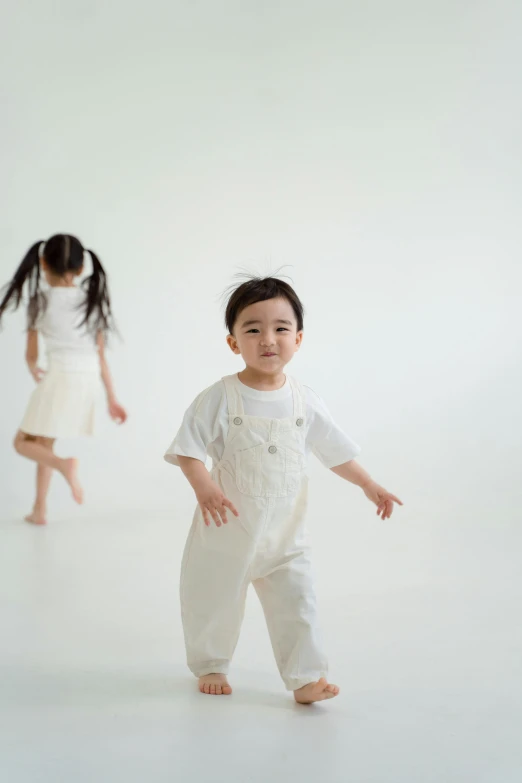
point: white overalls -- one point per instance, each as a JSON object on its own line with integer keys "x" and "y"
{"x": 262, "y": 471}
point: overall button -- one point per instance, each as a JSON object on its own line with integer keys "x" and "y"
{"x": 272, "y": 449}
{"x": 300, "y": 422}
{"x": 238, "y": 421}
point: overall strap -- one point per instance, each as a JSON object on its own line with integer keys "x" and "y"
{"x": 299, "y": 398}
{"x": 234, "y": 398}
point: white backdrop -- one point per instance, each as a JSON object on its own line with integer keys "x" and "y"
{"x": 374, "y": 148}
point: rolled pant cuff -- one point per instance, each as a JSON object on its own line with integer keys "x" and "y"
{"x": 294, "y": 683}
{"x": 210, "y": 667}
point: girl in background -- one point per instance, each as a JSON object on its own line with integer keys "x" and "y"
{"x": 74, "y": 321}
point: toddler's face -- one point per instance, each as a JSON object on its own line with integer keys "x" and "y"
{"x": 266, "y": 336}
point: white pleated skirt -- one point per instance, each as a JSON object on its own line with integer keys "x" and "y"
{"x": 63, "y": 404}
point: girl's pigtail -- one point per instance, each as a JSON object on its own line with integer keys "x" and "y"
{"x": 28, "y": 272}
{"x": 98, "y": 314}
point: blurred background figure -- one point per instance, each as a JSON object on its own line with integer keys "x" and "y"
{"x": 74, "y": 320}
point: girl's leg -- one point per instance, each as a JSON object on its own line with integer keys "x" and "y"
{"x": 43, "y": 480}
{"x": 30, "y": 446}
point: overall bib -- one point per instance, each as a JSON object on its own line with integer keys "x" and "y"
{"x": 263, "y": 472}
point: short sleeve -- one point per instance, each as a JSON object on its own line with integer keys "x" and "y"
{"x": 330, "y": 444}
{"x": 197, "y": 431}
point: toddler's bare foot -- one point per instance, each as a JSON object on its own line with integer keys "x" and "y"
{"x": 215, "y": 685}
{"x": 316, "y": 691}
{"x": 70, "y": 473}
{"x": 36, "y": 518}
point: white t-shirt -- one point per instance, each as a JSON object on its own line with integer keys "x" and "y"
{"x": 205, "y": 425}
{"x": 65, "y": 341}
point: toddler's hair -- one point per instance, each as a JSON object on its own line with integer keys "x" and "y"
{"x": 62, "y": 253}
{"x": 259, "y": 289}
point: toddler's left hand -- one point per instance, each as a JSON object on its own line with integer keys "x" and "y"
{"x": 383, "y": 499}
{"x": 117, "y": 412}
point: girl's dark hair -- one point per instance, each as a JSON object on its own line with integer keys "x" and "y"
{"x": 259, "y": 289}
{"x": 63, "y": 253}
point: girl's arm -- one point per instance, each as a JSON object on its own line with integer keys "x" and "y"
{"x": 355, "y": 474}
{"x": 116, "y": 411}
{"x": 31, "y": 355}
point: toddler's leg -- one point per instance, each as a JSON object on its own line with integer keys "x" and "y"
{"x": 213, "y": 593}
{"x": 289, "y": 603}
{"x": 33, "y": 448}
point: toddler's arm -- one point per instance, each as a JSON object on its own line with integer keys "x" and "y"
{"x": 354, "y": 473}
{"x": 210, "y": 498}
{"x": 116, "y": 411}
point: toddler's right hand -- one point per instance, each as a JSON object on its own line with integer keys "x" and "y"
{"x": 213, "y": 502}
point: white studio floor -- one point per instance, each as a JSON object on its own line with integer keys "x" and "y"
{"x": 94, "y": 687}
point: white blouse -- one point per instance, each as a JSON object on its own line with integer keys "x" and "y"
{"x": 66, "y": 342}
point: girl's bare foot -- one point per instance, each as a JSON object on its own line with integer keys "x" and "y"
{"x": 70, "y": 473}
{"x": 316, "y": 691}
{"x": 36, "y": 518}
{"x": 215, "y": 685}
